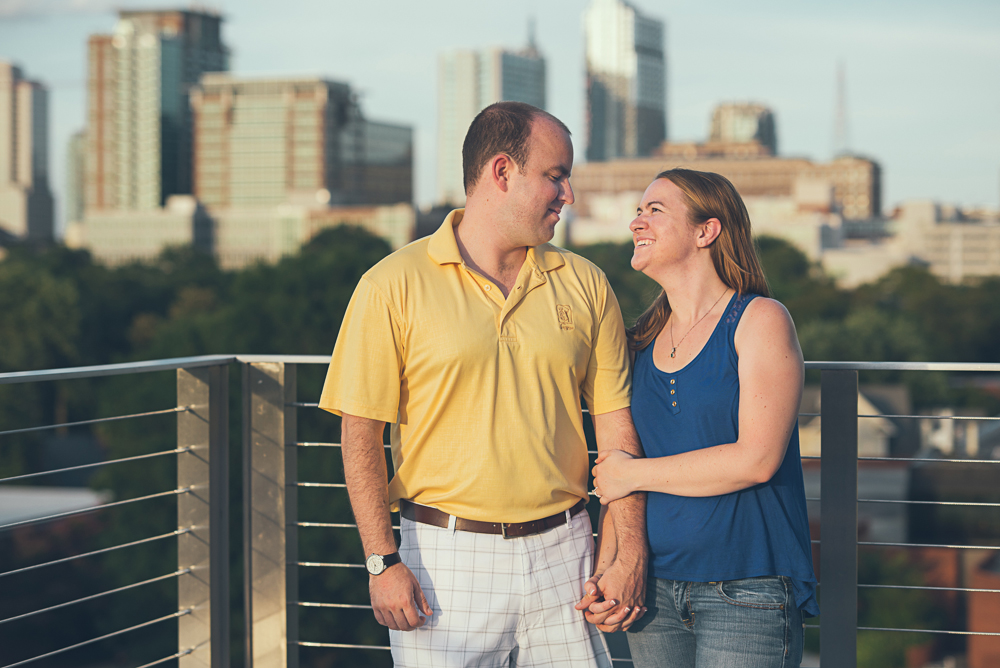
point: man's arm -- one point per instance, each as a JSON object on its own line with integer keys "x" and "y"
{"x": 624, "y": 579}
{"x": 397, "y": 599}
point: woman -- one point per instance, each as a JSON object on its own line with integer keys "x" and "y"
{"x": 716, "y": 389}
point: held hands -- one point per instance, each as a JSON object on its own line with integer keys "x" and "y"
{"x": 612, "y": 612}
{"x": 397, "y": 599}
{"x": 611, "y": 479}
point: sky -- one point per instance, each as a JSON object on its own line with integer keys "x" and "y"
{"x": 922, "y": 76}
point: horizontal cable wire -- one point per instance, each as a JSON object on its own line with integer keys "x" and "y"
{"x": 96, "y": 464}
{"x": 101, "y": 551}
{"x": 179, "y": 613}
{"x": 931, "y": 460}
{"x": 321, "y": 564}
{"x": 169, "y": 658}
{"x": 910, "y": 502}
{"x": 173, "y": 492}
{"x": 926, "y": 588}
{"x": 93, "y": 596}
{"x": 337, "y": 645}
{"x": 308, "y": 444}
{"x": 953, "y": 547}
{"x": 329, "y": 525}
{"x": 311, "y": 604}
{"x": 953, "y": 633}
{"x": 935, "y": 417}
{"x": 321, "y": 484}
{"x": 178, "y": 409}
{"x": 927, "y": 460}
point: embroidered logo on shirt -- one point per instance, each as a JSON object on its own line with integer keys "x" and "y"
{"x": 565, "y": 315}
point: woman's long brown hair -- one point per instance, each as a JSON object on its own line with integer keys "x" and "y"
{"x": 709, "y": 195}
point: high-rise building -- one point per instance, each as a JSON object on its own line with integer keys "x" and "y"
{"x": 26, "y": 207}
{"x": 138, "y": 116}
{"x": 76, "y": 176}
{"x": 294, "y": 140}
{"x": 469, "y": 81}
{"x": 626, "y": 81}
{"x": 737, "y": 123}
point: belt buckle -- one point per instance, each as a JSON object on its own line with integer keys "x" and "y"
{"x": 503, "y": 531}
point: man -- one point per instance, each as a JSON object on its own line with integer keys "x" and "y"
{"x": 476, "y": 344}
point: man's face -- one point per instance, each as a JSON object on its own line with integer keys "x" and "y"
{"x": 539, "y": 191}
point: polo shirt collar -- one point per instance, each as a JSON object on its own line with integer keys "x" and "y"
{"x": 443, "y": 249}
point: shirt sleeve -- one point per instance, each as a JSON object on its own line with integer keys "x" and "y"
{"x": 364, "y": 374}
{"x": 608, "y": 385}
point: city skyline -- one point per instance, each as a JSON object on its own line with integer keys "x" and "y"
{"x": 920, "y": 91}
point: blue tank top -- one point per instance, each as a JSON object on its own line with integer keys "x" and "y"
{"x": 761, "y": 530}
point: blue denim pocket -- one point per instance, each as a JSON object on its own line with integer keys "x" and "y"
{"x": 763, "y": 593}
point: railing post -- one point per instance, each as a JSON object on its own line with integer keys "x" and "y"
{"x": 270, "y": 508}
{"x": 838, "y": 634}
{"x": 205, "y": 509}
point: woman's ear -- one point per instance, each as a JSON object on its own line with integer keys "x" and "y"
{"x": 709, "y": 232}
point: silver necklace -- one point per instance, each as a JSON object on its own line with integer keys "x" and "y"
{"x": 673, "y": 348}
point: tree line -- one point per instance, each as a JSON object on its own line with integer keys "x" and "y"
{"x": 58, "y": 308}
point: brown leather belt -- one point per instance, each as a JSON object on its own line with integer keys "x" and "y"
{"x": 434, "y": 517}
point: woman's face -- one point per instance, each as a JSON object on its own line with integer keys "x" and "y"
{"x": 662, "y": 232}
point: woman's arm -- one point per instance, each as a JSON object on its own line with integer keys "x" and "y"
{"x": 770, "y": 374}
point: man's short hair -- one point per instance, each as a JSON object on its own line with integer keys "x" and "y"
{"x": 502, "y": 127}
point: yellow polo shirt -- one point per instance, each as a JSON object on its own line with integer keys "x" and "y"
{"x": 483, "y": 392}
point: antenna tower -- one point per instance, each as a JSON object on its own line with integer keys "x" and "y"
{"x": 841, "y": 140}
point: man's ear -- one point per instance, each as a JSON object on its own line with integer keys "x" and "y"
{"x": 708, "y": 232}
{"x": 501, "y": 167}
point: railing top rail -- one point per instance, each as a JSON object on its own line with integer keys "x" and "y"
{"x": 212, "y": 360}
{"x": 123, "y": 368}
{"x": 903, "y": 366}
{"x": 288, "y": 359}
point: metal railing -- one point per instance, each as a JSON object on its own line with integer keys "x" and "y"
{"x": 201, "y": 494}
{"x": 271, "y": 450}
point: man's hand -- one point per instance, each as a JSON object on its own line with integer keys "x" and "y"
{"x": 397, "y": 599}
{"x": 611, "y": 478}
{"x": 614, "y": 599}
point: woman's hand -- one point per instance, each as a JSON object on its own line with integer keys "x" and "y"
{"x": 611, "y": 475}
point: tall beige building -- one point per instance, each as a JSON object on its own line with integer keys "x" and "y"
{"x": 294, "y": 140}
{"x": 138, "y": 115}
{"x": 26, "y": 206}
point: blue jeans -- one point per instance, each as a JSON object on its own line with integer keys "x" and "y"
{"x": 751, "y": 623}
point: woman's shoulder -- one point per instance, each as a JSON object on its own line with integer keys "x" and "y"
{"x": 766, "y": 321}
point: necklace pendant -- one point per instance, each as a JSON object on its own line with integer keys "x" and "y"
{"x": 672, "y": 352}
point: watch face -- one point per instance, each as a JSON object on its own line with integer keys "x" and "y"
{"x": 374, "y": 564}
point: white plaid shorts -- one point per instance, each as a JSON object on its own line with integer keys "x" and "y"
{"x": 500, "y": 602}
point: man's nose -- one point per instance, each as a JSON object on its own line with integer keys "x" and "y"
{"x": 637, "y": 223}
{"x": 567, "y": 194}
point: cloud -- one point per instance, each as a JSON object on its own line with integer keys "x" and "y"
{"x": 12, "y": 10}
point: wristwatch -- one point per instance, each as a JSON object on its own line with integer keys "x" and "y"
{"x": 376, "y": 563}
